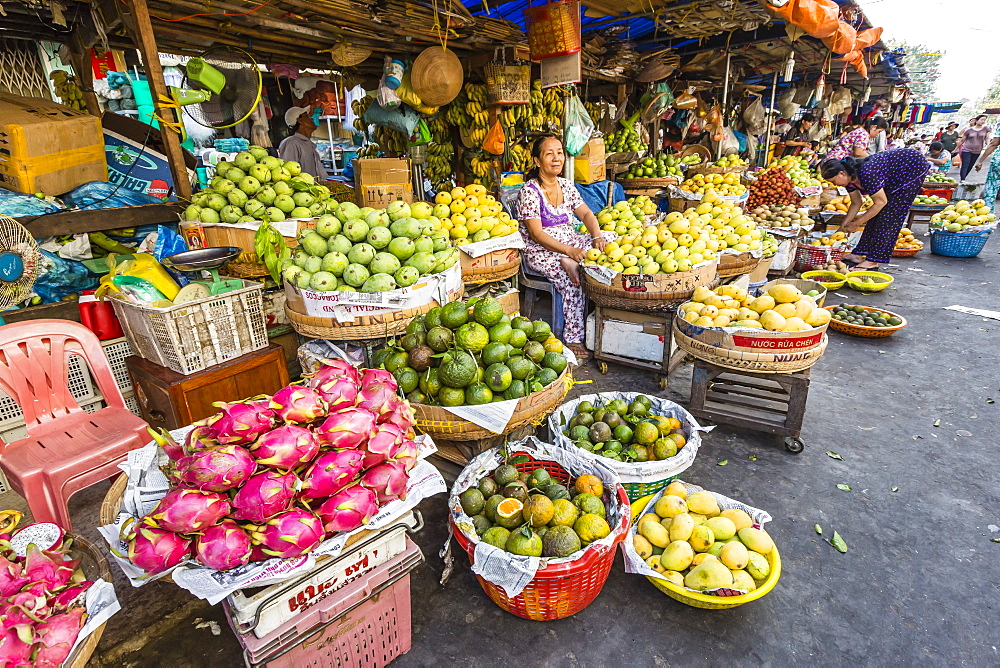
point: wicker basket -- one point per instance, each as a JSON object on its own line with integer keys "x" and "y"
{"x": 737, "y": 265}
{"x": 613, "y": 296}
{"x": 553, "y": 29}
{"x": 864, "y": 330}
{"x": 508, "y": 83}
{"x": 532, "y": 409}
{"x": 348, "y": 55}
{"x": 704, "y": 169}
{"x": 790, "y": 362}
{"x": 703, "y": 151}
{"x": 488, "y": 273}
{"x": 650, "y": 183}
{"x": 379, "y": 326}
{"x": 804, "y": 285}
{"x": 906, "y": 252}
{"x": 94, "y": 565}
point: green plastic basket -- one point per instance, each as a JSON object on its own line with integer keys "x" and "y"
{"x": 637, "y": 490}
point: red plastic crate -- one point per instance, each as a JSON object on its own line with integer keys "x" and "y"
{"x": 367, "y": 624}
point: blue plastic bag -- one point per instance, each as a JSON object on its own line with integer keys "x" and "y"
{"x": 60, "y": 278}
{"x": 16, "y": 205}
{"x": 101, "y": 195}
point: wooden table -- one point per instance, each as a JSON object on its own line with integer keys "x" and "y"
{"x": 172, "y": 400}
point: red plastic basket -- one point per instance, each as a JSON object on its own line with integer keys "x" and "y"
{"x": 553, "y": 29}
{"x": 809, "y": 257}
{"x": 557, "y": 590}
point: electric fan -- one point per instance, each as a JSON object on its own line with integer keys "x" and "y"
{"x": 221, "y": 87}
{"x": 19, "y": 263}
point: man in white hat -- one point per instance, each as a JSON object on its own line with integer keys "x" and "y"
{"x": 298, "y": 146}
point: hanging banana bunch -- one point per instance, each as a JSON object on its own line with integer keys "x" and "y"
{"x": 370, "y": 150}
{"x": 520, "y": 158}
{"x": 67, "y": 89}
{"x": 390, "y": 140}
{"x": 359, "y": 107}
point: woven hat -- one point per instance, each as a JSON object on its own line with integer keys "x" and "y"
{"x": 436, "y": 76}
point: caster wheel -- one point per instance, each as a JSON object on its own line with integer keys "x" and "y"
{"x": 664, "y": 382}
{"x": 602, "y": 367}
{"x": 794, "y": 445}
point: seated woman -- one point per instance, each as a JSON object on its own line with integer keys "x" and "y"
{"x": 546, "y": 206}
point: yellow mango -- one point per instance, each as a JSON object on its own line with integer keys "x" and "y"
{"x": 785, "y": 310}
{"x": 762, "y": 304}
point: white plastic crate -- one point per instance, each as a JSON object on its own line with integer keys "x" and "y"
{"x": 268, "y": 609}
{"x": 116, "y": 351}
{"x": 132, "y": 402}
{"x": 198, "y": 334}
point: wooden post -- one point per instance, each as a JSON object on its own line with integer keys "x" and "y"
{"x": 142, "y": 34}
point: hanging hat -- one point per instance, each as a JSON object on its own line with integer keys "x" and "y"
{"x": 436, "y": 76}
{"x": 293, "y": 113}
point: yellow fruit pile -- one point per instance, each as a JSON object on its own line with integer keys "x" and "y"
{"x": 731, "y": 160}
{"x": 696, "y": 544}
{"x": 841, "y": 204}
{"x": 623, "y": 217}
{"x": 962, "y": 214}
{"x": 469, "y": 214}
{"x": 680, "y": 242}
{"x": 722, "y": 184}
{"x": 907, "y": 241}
{"x": 782, "y": 309}
{"x": 829, "y": 240}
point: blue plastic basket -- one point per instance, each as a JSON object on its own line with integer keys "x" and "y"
{"x": 958, "y": 244}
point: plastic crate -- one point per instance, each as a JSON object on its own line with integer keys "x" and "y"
{"x": 117, "y": 350}
{"x": 132, "y": 402}
{"x": 264, "y": 610}
{"x": 368, "y": 623}
{"x": 958, "y": 244}
{"x": 809, "y": 257}
{"x": 199, "y": 334}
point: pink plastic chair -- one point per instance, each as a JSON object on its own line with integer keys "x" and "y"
{"x": 66, "y": 448}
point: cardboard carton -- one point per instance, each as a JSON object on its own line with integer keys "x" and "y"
{"x": 381, "y": 181}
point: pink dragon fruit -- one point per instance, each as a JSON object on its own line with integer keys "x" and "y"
{"x": 201, "y": 437}
{"x": 286, "y": 447}
{"x": 378, "y": 389}
{"x": 155, "y": 550}
{"x": 400, "y": 414}
{"x": 338, "y": 392}
{"x": 32, "y": 601}
{"x": 348, "y": 428}
{"x": 348, "y": 509}
{"x": 48, "y": 568}
{"x": 223, "y": 546}
{"x": 381, "y": 444}
{"x": 241, "y": 422}
{"x": 14, "y": 652}
{"x": 216, "y": 469}
{"x": 264, "y": 495}
{"x": 56, "y": 636}
{"x": 331, "y": 368}
{"x": 298, "y": 404}
{"x": 406, "y": 454}
{"x": 387, "y": 480}
{"x": 163, "y": 439}
{"x": 189, "y": 510}
{"x": 290, "y": 534}
{"x": 11, "y": 578}
{"x": 70, "y": 596}
{"x": 331, "y": 472}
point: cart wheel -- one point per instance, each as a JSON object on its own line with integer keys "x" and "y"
{"x": 794, "y": 445}
{"x": 602, "y": 367}
{"x": 664, "y": 382}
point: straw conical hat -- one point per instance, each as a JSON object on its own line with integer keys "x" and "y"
{"x": 436, "y": 76}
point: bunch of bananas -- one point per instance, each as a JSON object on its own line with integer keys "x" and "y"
{"x": 594, "y": 109}
{"x": 359, "y": 107}
{"x": 515, "y": 114}
{"x": 455, "y": 113}
{"x": 370, "y": 150}
{"x": 546, "y": 109}
{"x": 520, "y": 158}
{"x": 390, "y": 140}
{"x": 438, "y": 166}
{"x": 67, "y": 89}
{"x": 479, "y": 166}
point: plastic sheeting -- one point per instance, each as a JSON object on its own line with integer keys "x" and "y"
{"x": 101, "y": 195}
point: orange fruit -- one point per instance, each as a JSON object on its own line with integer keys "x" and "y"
{"x": 589, "y": 484}
{"x": 508, "y": 508}
{"x": 678, "y": 439}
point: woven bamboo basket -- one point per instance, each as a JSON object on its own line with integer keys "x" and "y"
{"x": 906, "y": 252}
{"x": 700, "y": 169}
{"x": 532, "y": 409}
{"x": 489, "y": 274}
{"x": 650, "y": 183}
{"x": 112, "y": 505}
{"x": 864, "y": 330}
{"x": 379, "y": 326}
{"x": 788, "y": 362}
{"x": 703, "y": 151}
{"x": 95, "y": 565}
{"x": 612, "y": 296}
{"x": 741, "y": 264}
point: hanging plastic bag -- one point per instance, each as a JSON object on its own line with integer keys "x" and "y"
{"x": 819, "y": 18}
{"x": 728, "y": 142}
{"x": 701, "y": 109}
{"x": 786, "y": 102}
{"x": 754, "y": 117}
{"x": 686, "y": 100}
{"x": 579, "y": 126}
{"x": 802, "y": 95}
{"x": 495, "y": 140}
{"x": 402, "y": 119}
{"x": 386, "y": 97}
{"x": 663, "y": 89}
{"x": 842, "y": 41}
{"x": 408, "y": 96}
{"x": 713, "y": 123}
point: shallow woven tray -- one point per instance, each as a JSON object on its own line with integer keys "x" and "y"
{"x": 862, "y": 330}
{"x": 746, "y": 361}
{"x": 364, "y": 327}
{"x": 906, "y": 252}
{"x": 739, "y": 267}
{"x": 95, "y": 565}
{"x": 532, "y": 409}
{"x": 643, "y": 183}
{"x": 481, "y": 275}
{"x": 640, "y": 302}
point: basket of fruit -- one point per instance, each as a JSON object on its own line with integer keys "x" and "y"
{"x": 831, "y": 280}
{"x": 701, "y": 548}
{"x": 647, "y": 441}
{"x": 729, "y": 164}
{"x": 867, "y": 321}
{"x": 661, "y": 169}
{"x": 812, "y": 253}
{"x": 782, "y": 330}
{"x": 786, "y": 219}
{"x": 439, "y": 359}
{"x": 958, "y": 244}
{"x": 868, "y": 281}
{"x": 929, "y": 203}
{"x": 543, "y": 510}
{"x": 907, "y": 244}
{"x": 815, "y": 290}
{"x": 737, "y": 264}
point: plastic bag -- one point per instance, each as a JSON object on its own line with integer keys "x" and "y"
{"x": 728, "y": 142}
{"x": 101, "y": 195}
{"x": 786, "y": 102}
{"x": 754, "y": 117}
{"x": 819, "y": 18}
{"x": 402, "y": 119}
{"x": 60, "y": 278}
{"x": 495, "y": 140}
{"x": 842, "y": 41}
{"x": 408, "y": 96}
{"x": 840, "y": 101}
{"x": 168, "y": 242}
{"x": 16, "y": 205}
{"x": 579, "y": 126}
{"x": 802, "y": 95}
{"x": 685, "y": 101}
{"x": 386, "y": 97}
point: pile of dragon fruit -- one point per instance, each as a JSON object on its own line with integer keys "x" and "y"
{"x": 275, "y": 476}
{"x": 43, "y": 604}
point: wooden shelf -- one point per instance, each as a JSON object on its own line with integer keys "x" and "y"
{"x": 99, "y": 220}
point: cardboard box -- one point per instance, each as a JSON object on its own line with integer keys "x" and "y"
{"x": 381, "y": 181}
{"x": 594, "y": 148}
{"x": 681, "y": 281}
{"x": 497, "y": 258}
{"x": 589, "y": 166}
{"x": 47, "y": 147}
{"x": 638, "y": 336}
{"x": 136, "y": 157}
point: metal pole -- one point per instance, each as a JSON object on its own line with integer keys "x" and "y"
{"x": 725, "y": 102}
{"x": 767, "y": 137}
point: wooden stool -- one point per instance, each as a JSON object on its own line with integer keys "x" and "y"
{"x": 920, "y": 216}
{"x": 172, "y": 400}
{"x": 652, "y": 324}
{"x": 773, "y": 403}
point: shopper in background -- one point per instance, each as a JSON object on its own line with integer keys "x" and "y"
{"x": 971, "y": 144}
{"x": 546, "y": 205}
{"x": 949, "y": 137}
{"x": 993, "y": 175}
{"x": 892, "y": 179}
{"x": 939, "y": 158}
{"x": 857, "y": 143}
{"x": 795, "y": 136}
{"x": 298, "y": 146}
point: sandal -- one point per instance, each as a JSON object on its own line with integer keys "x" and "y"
{"x": 582, "y": 354}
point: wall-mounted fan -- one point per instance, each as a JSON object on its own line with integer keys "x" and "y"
{"x": 221, "y": 87}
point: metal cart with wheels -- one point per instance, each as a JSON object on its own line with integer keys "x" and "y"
{"x": 773, "y": 403}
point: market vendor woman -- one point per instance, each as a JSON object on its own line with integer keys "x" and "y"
{"x": 892, "y": 179}
{"x": 549, "y": 206}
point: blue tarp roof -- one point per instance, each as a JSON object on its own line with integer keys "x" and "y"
{"x": 638, "y": 27}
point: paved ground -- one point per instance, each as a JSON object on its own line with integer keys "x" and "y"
{"x": 919, "y": 584}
